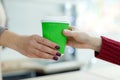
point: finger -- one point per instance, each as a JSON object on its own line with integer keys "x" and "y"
{"x": 47, "y": 42}
{"x": 75, "y": 44}
{"x": 31, "y": 55}
{"x": 68, "y": 33}
{"x": 47, "y": 56}
{"x": 44, "y": 48}
{"x": 72, "y": 44}
{"x": 39, "y": 54}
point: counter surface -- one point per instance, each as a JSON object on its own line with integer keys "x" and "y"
{"x": 78, "y": 75}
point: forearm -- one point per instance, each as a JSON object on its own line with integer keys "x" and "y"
{"x": 110, "y": 51}
{"x": 8, "y": 39}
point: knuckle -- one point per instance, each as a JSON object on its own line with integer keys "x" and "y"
{"x": 31, "y": 42}
{"x": 52, "y": 45}
{"x": 32, "y": 37}
{"x": 40, "y": 47}
{"x": 43, "y": 48}
{"x": 42, "y": 39}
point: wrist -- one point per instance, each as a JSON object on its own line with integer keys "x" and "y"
{"x": 9, "y": 39}
{"x": 95, "y": 43}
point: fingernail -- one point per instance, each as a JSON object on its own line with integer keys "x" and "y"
{"x": 58, "y": 54}
{"x": 55, "y": 58}
{"x": 57, "y": 47}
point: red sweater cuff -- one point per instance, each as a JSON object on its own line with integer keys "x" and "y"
{"x": 110, "y": 51}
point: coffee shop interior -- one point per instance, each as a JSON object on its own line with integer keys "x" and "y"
{"x": 96, "y": 17}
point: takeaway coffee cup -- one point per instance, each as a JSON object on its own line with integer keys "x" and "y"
{"x": 52, "y": 28}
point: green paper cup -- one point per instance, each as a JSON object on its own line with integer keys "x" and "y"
{"x": 52, "y": 28}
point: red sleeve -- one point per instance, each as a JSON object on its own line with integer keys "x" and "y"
{"x": 110, "y": 51}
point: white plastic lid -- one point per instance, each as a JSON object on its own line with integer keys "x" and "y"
{"x": 61, "y": 19}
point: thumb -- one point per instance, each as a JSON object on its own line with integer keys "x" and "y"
{"x": 68, "y": 33}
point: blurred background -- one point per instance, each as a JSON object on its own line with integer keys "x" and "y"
{"x": 96, "y": 17}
